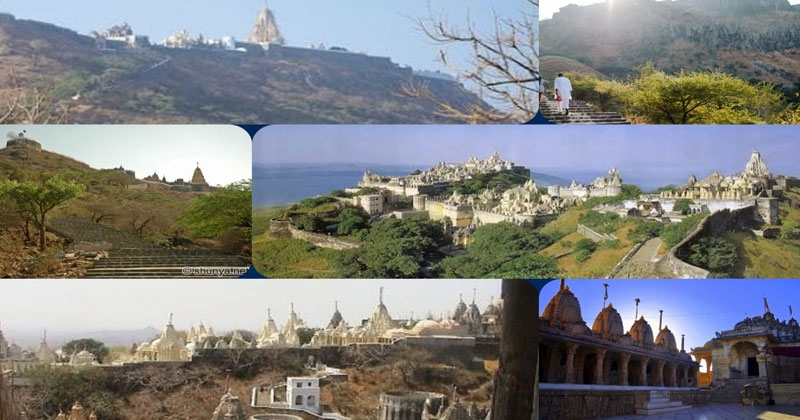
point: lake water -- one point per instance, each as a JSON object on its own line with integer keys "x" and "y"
{"x": 289, "y": 183}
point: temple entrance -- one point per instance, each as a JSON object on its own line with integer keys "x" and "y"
{"x": 744, "y": 362}
{"x": 752, "y": 366}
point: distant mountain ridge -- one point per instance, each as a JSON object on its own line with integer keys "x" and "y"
{"x": 747, "y": 38}
{"x": 154, "y": 84}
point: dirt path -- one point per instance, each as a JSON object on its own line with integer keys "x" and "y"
{"x": 646, "y": 263}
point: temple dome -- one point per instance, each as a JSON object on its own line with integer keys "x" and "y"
{"x": 642, "y": 333}
{"x": 608, "y": 324}
{"x": 666, "y": 339}
{"x": 563, "y": 310}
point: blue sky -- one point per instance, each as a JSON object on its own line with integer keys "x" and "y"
{"x": 133, "y": 304}
{"x": 377, "y": 27}
{"x": 648, "y": 155}
{"x": 223, "y": 151}
{"x": 697, "y": 308}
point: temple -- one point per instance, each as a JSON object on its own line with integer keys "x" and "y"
{"x": 760, "y": 350}
{"x": 573, "y": 353}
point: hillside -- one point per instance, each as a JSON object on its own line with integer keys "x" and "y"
{"x": 747, "y": 38}
{"x": 107, "y": 212}
{"x": 168, "y": 85}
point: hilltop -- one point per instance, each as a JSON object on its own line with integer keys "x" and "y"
{"x": 154, "y": 84}
{"x": 746, "y": 38}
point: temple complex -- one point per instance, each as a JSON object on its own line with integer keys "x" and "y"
{"x": 760, "y": 349}
{"x": 755, "y": 185}
{"x": 525, "y": 205}
{"x": 609, "y": 185}
{"x": 573, "y": 353}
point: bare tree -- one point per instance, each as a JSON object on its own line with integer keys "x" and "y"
{"x": 505, "y": 64}
{"x": 21, "y": 104}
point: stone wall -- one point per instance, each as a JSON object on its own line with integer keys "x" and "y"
{"x": 713, "y": 225}
{"x": 320, "y": 240}
{"x": 595, "y": 236}
{"x": 342, "y": 57}
{"x": 786, "y": 394}
{"x": 580, "y": 404}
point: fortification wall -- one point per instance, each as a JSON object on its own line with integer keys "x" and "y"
{"x": 341, "y": 57}
{"x": 713, "y": 225}
{"x": 320, "y": 240}
{"x": 713, "y": 205}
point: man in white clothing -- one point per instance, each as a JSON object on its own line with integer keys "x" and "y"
{"x": 564, "y": 91}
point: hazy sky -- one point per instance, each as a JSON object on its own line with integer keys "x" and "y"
{"x": 549, "y": 7}
{"x": 376, "y": 27}
{"x": 91, "y": 305}
{"x": 674, "y": 151}
{"x": 223, "y": 152}
{"x": 697, "y": 308}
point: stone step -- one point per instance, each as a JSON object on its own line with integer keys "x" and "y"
{"x": 154, "y": 273}
{"x": 650, "y": 412}
{"x": 652, "y": 405}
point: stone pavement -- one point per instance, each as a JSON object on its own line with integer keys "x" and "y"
{"x": 723, "y": 412}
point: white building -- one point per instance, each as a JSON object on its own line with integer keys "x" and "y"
{"x": 302, "y": 393}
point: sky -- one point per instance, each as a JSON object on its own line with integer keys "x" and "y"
{"x": 92, "y": 305}
{"x": 696, "y": 308}
{"x": 376, "y": 27}
{"x": 173, "y": 151}
{"x": 548, "y": 7}
{"x": 650, "y": 156}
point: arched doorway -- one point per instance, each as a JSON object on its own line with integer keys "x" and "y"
{"x": 744, "y": 360}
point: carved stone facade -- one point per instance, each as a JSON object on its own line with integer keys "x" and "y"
{"x": 609, "y": 185}
{"x": 758, "y": 348}
{"x": 570, "y": 352}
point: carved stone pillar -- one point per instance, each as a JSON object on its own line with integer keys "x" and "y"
{"x": 673, "y": 380}
{"x": 599, "y": 372}
{"x": 572, "y": 348}
{"x": 643, "y": 371}
{"x": 659, "y": 379}
{"x": 623, "y": 368}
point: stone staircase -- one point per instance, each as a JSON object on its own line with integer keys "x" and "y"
{"x": 659, "y": 403}
{"x": 730, "y": 392}
{"x": 131, "y": 257}
{"x": 580, "y": 112}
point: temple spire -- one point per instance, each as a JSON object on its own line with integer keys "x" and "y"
{"x": 637, "y": 309}
{"x": 660, "y": 317}
{"x": 605, "y": 296}
{"x": 766, "y": 306}
{"x": 380, "y": 295}
{"x": 170, "y": 318}
{"x": 683, "y": 338}
{"x": 474, "y": 292}
{"x": 562, "y": 285}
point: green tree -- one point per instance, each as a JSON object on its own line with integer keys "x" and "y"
{"x": 310, "y": 223}
{"x": 97, "y": 348}
{"x": 682, "y": 205}
{"x": 501, "y": 249}
{"x": 714, "y": 254}
{"x": 306, "y": 334}
{"x": 700, "y": 98}
{"x": 392, "y": 248}
{"x": 36, "y": 201}
{"x": 350, "y": 221}
{"x": 227, "y": 208}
